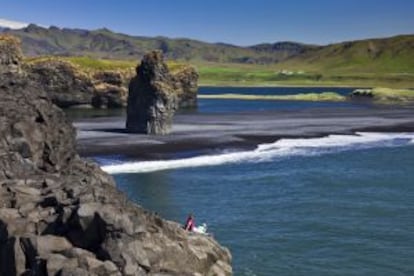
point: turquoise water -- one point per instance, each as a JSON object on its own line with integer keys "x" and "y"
{"x": 339, "y": 205}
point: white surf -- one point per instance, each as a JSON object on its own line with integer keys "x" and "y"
{"x": 271, "y": 151}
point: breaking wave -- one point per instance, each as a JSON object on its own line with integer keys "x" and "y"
{"x": 272, "y": 151}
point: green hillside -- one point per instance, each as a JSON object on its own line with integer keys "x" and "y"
{"x": 387, "y": 55}
{"x": 385, "y": 62}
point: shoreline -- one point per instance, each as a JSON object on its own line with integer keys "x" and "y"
{"x": 198, "y": 134}
{"x": 270, "y": 85}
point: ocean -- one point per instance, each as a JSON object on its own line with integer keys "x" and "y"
{"x": 335, "y": 205}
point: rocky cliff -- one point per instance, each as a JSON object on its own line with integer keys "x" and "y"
{"x": 61, "y": 215}
{"x": 152, "y": 97}
{"x": 109, "y": 90}
{"x": 186, "y": 84}
{"x": 69, "y": 85}
{"x": 64, "y": 84}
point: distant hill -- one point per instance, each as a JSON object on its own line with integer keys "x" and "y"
{"x": 382, "y": 55}
{"x": 103, "y": 43}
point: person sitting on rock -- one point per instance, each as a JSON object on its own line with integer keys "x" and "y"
{"x": 190, "y": 223}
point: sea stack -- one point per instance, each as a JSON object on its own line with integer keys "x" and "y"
{"x": 152, "y": 97}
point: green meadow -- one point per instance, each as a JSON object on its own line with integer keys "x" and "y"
{"x": 362, "y": 64}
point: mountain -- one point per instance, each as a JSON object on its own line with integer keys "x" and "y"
{"x": 104, "y": 43}
{"x": 388, "y": 55}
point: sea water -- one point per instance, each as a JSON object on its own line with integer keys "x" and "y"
{"x": 339, "y": 205}
{"x": 336, "y": 205}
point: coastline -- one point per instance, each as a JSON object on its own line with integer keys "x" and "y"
{"x": 270, "y": 85}
{"x": 197, "y": 134}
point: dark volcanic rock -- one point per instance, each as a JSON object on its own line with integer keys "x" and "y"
{"x": 64, "y": 84}
{"x": 10, "y": 54}
{"x": 42, "y": 137}
{"x": 152, "y": 98}
{"x": 187, "y": 87}
{"x": 361, "y": 94}
{"x": 109, "y": 77}
{"x": 109, "y": 91}
{"x": 68, "y": 86}
{"x": 61, "y": 215}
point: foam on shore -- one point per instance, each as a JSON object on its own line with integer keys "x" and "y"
{"x": 271, "y": 151}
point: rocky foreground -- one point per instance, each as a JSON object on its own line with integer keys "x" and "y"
{"x": 62, "y": 215}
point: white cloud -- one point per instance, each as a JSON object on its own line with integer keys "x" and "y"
{"x": 12, "y": 24}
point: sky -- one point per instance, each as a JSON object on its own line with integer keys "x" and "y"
{"x": 239, "y": 22}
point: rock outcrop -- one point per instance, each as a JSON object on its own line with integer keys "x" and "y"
{"x": 187, "y": 87}
{"x": 10, "y": 54}
{"x": 152, "y": 97}
{"x": 361, "y": 94}
{"x": 109, "y": 91}
{"x": 65, "y": 85}
{"x": 61, "y": 215}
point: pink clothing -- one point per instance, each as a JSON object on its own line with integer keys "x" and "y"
{"x": 189, "y": 225}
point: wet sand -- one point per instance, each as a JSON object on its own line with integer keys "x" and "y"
{"x": 201, "y": 133}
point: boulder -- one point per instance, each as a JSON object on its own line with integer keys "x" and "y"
{"x": 56, "y": 262}
{"x": 47, "y": 244}
{"x": 152, "y": 97}
{"x": 361, "y": 94}
{"x": 62, "y": 215}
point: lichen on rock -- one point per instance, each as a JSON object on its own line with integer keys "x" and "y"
{"x": 10, "y": 54}
{"x": 63, "y": 82}
{"x": 186, "y": 82}
{"x": 109, "y": 91}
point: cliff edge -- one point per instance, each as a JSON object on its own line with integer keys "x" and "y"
{"x": 61, "y": 215}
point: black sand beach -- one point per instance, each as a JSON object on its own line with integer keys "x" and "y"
{"x": 198, "y": 133}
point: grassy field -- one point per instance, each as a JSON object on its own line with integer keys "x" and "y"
{"x": 90, "y": 65}
{"x": 285, "y": 74}
{"x": 294, "y": 75}
{"x": 364, "y": 63}
{"x": 213, "y": 74}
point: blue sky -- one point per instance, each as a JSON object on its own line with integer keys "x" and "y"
{"x": 238, "y": 22}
